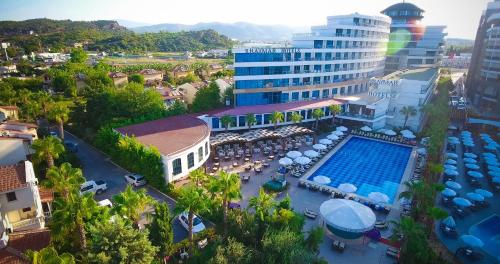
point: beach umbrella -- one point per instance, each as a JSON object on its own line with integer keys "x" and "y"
{"x": 494, "y": 173}
{"x": 466, "y": 132}
{"x": 453, "y": 185}
{"x": 450, "y": 161}
{"x": 469, "y": 160}
{"x": 451, "y": 172}
{"x": 449, "y": 222}
{"x": 342, "y": 128}
{"x": 325, "y": 141}
{"x": 495, "y": 179}
{"x": 406, "y": 131}
{"x": 302, "y": 160}
{"x": 489, "y": 154}
{"x": 366, "y": 129}
{"x": 338, "y": 133}
{"x": 453, "y": 138}
{"x": 484, "y": 193}
{"x": 378, "y": 197}
{"x": 390, "y": 132}
{"x": 453, "y": 142}
{"x": 285, "y": 161}
{"x": 452, "y": 155}
{"x": 472, "y": 166}
{"x": 493, "y": 168}
{"x": 492, "y": 159}
{"x": 347, "y": 187}
{"x": 332, "y": 137}
{"x": 475, "y": 174}
{"x": 409, "y": 136}
{"x": 461, "y": 202}
{"x": 475, "y": 197}
{"x": 448, "y": 192}
{"x": 469, "y": 144}
{"x": 490, "y": 147}
{"x": 319, "y": 147}
{"x": 311, "y": 153}
{"x": 484, "y": 135}
{"x": 470, "y": 155}
{"x": 472, "y": 241}
{"x": 322, "y": 179}
{"x": 493, "y": 163}
{"x": 421, "y": 151}
{"x": 293, "y": 154}
{"x": 449, "y": 167}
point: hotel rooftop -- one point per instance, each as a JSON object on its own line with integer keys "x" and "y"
{"x": 420, "y": 74}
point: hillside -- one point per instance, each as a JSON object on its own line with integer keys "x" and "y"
{"x": 103, "y": 35}
{"x": 239, "y": 31}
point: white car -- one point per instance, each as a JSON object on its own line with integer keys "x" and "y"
{"x": 198, "y": 225}
{"x": 93, "y": 186}
{"x": 105, "y": 203}
{"x": 135, "y": 179}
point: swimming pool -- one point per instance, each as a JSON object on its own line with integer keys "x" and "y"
{"x": 371, "y": 165}
{"x": 488, "y": 231}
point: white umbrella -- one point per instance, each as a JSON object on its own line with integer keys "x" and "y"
{"x": 382, "y": 130}
{"x": 421, "y": 151}
{"x": 347, "y": 215}
{"x": 347, "y": 187}
{"x": 322, "y": 179}
{"x": 319, "y": 147}
{"x": 285, "y": 161}
{"x": 302, "y": 160}
{"x": 378, "y": 197}
{"x": 293, "y": 154}
{"x": 366, "y": 129}
{"x": 406, "y": 131}
{"x": 311, "y": 153}
{"x": 325, "y": 141}
{"x": 390, "y": 132}
{"x": 409, "y": 136}
{"x": 342, "y": 128}
{"x": 338, "y": 133}
{"x": 332, "y": 137}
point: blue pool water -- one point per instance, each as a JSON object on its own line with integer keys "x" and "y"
{"x": 488, "y": 231}
{"x": 372, "y": 166}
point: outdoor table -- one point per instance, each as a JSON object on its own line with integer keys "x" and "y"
{"x": 235, "y": 164}
{"x": 215, "y": 168}
{"x": 216, "y": 164}
{"x": 216, "y": 158}
{"x": 265, "y": 164}
{"x": 226, "y": 158}
{"x": 238, "y": 157}
{"x": 247, "y": 168}
{"x": 281, "y": 155}
{"x": 271, "y": 157}
{"x": 247, "y": 159}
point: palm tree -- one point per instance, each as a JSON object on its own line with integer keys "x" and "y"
{"x": 193, "y": 200}
{"x": 198, "y": 177}
{"x": 49, "y": 255}
{"x": 64, "y": 180}
{"x": 251, "y": 120}
{"x": 406, "y": 228}
{"x": 226, "y": 121}
{"x": 435, "y": 169}
{"x": 277, "y": 117}
{"x": 408, "y": 111}
{"x": 334, "y": 109}
{"x": 317, "y": 114}
{"x": 47, "y": 149}
{"x": 228, "y": 188}
{"x": 132, "y": 204}
{"x": 262, "y": 204}
{"x": 45, "y": 101}
{"x": 296, "y": 117}
{"x": 59, "y": 113}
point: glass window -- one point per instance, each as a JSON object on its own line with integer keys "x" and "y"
{"x": 307, "y": 56}
{"x": 315, "y": 94}
{"x": 317, "y": 56}
{"x": 215, "y": 122}
{"x": 329, "y": 44}
{"x": 176, "y": 166}
{"x": 267, "y": 118}
{"x": 318, "y": 44}
{"x": 190, "y": 160}
{"x": 305, "y": 95}
{"x": 259, "y": 119}
{"x": 326, "y": 93}
{"x": 335, "y": 91}
{"x": 206, "y": 148}
{"x": 295, "y": 96}
{"x": 200, "y": 154}
{"x": 317, "y": 68}
{"x": 242, "y": 121}
{"x": 11, "y": 196}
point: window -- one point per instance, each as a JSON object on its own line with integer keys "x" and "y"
{"x": 305, "y": 95}
{"x": 200, "y": 153}
{"x": 326, "y": 93}
{"x": 26, "y": 209}
{"x": 11, "y": 196}
{"x": 190, "y": 160}
{"x": 295, "y": 96}
{"x": 176, "y": 166}
{"x": 206, "y": 148}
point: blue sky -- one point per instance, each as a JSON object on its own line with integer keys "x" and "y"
{"x": 461, "y": 16}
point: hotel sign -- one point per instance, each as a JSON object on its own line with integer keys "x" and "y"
{"x": 385, "y": 82}
{"x": 272, "y": 50}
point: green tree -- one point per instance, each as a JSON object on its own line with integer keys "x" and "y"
{"x": 284, "y": 246}
{"x": 317, "y": 114}
{"x": 45, "y": 100}
{"x": 49, "y": 255}
{"x": 115, "y": 242}
{"x": 64, "y": 180}
{"x": 137, "y": 78}
{"x": 7, "y": 94}
{"x": 161, "y": 233}
{"x": 207, "y": 98}
{"x": 232, "y": 252}
{"x": 227, "y": 186}
{"x": 132, "y": 204}
{"x": 47, "y": 149}
{"x": 276, "y": 118}
{"x": 59, "y": 112}
{"x": 200, "y": 68}
{"x": 262, "y": 205}
{"x": 64, "y": 82}
{"x": 251, "y": 120}
{"x": 408, "y": 111}
{"x": 198, "y": 177}
{"x": 315, "y": 238}
{"x": 192, "y": 200}
{"x": 335, "y": 110}
{"x": 226, "y": 121}
{"x": 296, "y": 117}
{"x": 414, "y": 246}
{"x": 78, "y": 55}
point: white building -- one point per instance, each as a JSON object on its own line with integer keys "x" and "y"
{"x": 461, "y": 61}
{"x": 183, "y": 142}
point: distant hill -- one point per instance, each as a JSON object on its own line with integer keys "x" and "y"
{"x": 102, "y": 35}
{"x": 239, "y": 30}
{"x": 132, "y": 24}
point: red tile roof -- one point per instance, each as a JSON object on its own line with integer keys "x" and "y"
{"x": 117, "y": 75}
{"x": 28, "y": 125}
{"x": 169, "y": 135}
{"x": 46, "y": 195}
{"x": 22, "y": 241}
{"x": 9, "y": 107}
{"x": 12, "y": 177}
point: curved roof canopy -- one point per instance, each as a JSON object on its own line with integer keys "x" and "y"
{"x": 406, "y": 10}
{"x": 347, "y": 215}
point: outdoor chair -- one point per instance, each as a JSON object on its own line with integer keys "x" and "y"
{"x": 381, "y": 225}
{"x": 310, "y": 214}
{"x": 392, "y": 252}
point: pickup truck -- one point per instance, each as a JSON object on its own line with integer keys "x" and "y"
{"x": 93, "y": 186}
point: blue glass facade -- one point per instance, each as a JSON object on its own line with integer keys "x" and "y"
{"x": 261, "y": 98}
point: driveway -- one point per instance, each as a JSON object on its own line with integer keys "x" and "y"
{"x": 97, "y": 166}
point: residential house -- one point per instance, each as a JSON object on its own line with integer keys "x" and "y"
{"x": 188, "y": 90}
{"x": 214, "y": 68}
{"x": 20, "y": 242}
{"x": 169, "y": 95}
{"x": 14, "y": 150}
{"x": 224, "y": 84}
{"x": 13, "y": 129}
{"x": 151, "y": 75}
{"x": 180, "y": 71}
{"x": 8, "y": 69}
{"x": 119, "y": 78}
{"x": 10, "y": 112}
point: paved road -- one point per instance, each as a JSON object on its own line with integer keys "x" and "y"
{"x": 97, "y": 166}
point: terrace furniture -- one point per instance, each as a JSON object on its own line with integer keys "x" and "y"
{"x": 338, "y": 245}
{"x": 271, "y": 157}
{"x": 392, "y": 252}
{"x": 265, "y": 165}
{"x": 248, "y": 167}
{"x": 448, "y": 231}
{"x": 237, "y": 157}
{"x": 247, "y": 159}
{"x": 216, "y": 159}
{"x": 381, "y": 225}
{"x": 235, "y": 164}
{"x": 245, "y": 178}
{"x": 226, "y": 158}
{"x": 310, "y": 214}
{"x": 257, "y": 170}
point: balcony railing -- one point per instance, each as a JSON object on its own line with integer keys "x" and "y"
{"x": 360, "y": 116}
{"x": 25, "y": 223}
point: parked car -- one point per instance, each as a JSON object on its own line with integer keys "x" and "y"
{"x": 71, "y": 146}
{"x": 135, "y": 179}
{"x": 198, "y": 225}
{"x": 105, "y": 202}
{"x": 93, "y": 186}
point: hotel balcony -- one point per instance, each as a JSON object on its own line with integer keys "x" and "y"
{"x": 27, "y": 224}
{"x": 361, "y": 117}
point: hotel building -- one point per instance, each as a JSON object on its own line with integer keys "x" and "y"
{"x": 411, "y": 43}
{"x": 334, "y": 59}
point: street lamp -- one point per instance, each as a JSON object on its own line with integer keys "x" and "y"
{"x": 5, "y": 45}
